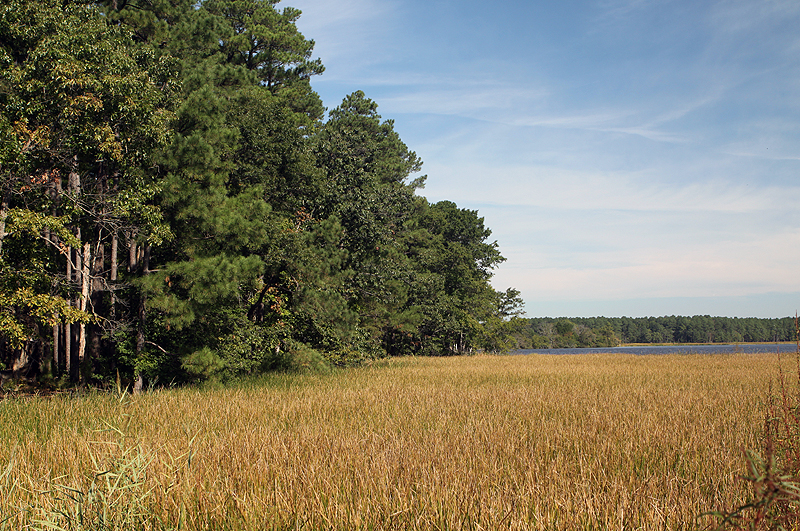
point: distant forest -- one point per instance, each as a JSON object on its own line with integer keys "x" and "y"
{"x": 563, "y": 332}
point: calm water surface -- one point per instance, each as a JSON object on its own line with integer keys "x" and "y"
{"x": 673, "y": 349}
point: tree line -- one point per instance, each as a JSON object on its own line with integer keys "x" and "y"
{"x": 570, "y": 332}
{"x": 177, "y": 204}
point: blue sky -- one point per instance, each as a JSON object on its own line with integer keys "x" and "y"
{"x": 632, "y": 157}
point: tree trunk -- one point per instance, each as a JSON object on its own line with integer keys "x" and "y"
{"x": 78, "y": 268}
{"x": 87, "y": 251}
{"x": 97, "y": 288}
{"x": 98, "y": 265}
{"x": 74, "y": 177}
{"x": 21, "y": 359}
{"x": 56, "y": 357}
{"x": 114, "y": 252}
{"x": 55, "y": 195}
{"x": 68, "y": 349}
{"x": 146, "y": 260}
{"x": 112, "y": 311}
{"x": 133, "y": 261}
{"x": 3, "y": 215}
{"x": 67, "y": 326}
{"x": 77, "y": 331}
{"x": 142, "y": 320}
{"x": 45, "y": 357}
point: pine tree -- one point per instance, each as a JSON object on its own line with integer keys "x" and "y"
{"x": 238, "y": 175}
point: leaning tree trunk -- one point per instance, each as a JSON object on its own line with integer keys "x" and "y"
{"x": 55, "y": 196}
{"x": 76, "y": 330}
{"x": 74, "y": 333}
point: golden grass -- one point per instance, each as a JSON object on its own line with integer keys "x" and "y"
{"x": 517, "y": 442}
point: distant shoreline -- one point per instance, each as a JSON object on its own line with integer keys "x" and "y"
{"x": 677, "y": 348}
{"x": 708, "y": 344}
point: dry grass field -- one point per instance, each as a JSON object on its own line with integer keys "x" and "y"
{"x": 515, "y": 442}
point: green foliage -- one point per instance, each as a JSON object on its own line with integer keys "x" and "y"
{"x": 251, "y": 348}
{"x": 305, "y": 359}
{"x": 183, "y": 140}
{"x": 497, "y": 335}
{"x": 449, "y": 296}
{"x": 203, "y": 363}
{"x": 79, "y": 89}
{"x": 564, "y": 327}
{"x": 29, "y": 298}
{"x": 23, "y": 309}
{"x": 265, "y": 40}
{"x": 365, "y": 167}
{"x": 84, "y": 110}
{"x": 21, "y": 222}
{"x": 606, "y": 337}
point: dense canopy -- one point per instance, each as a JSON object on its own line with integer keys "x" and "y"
{"x": 177, "y": 204}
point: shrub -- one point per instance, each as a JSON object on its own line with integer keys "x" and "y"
{"x": 203, "y": 363}
{"x": 252, "y": 348}
{"x": 305, "y": 359}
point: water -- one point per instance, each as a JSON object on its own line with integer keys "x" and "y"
{"x": 673, "y": 349}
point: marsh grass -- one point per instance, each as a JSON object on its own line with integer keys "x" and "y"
{"x": 773, "y": 470}
{"x": 517, "y": 442}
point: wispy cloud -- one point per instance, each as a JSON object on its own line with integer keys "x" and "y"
{"x": 529, "y": 106}
{"x": 583, "y": 190}
{"x": 737, "y": 16}
{"x": 475, "y": 100}
{"x": 619, "y": 149}
{"x": 616, "y": 11}
{"x": 346, "y": 30}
